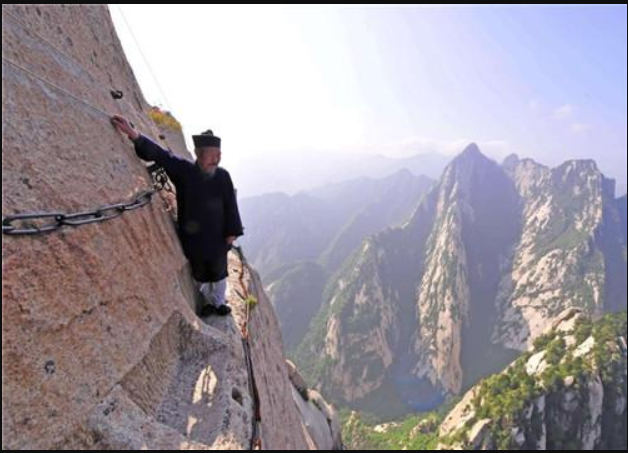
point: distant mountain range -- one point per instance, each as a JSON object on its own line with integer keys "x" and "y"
{"x": 299, "y": 242}
{"x": 304, "y": 172}
{"x": 493, "y": 254}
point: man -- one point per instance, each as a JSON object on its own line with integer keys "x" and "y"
{"x": 208, "y": 217}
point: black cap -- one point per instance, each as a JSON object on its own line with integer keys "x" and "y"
{"x": 206, "y": 139}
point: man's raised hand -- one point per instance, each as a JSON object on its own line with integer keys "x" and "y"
{"x": 124, "y": 126}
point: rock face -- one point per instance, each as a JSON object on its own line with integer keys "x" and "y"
{"x": 476, "y": 221}
{"x": 567, "y": 393}
{"x": 571, "y": 235}
{"x": 490, "y": 259}
{"x": 100, "y": 344}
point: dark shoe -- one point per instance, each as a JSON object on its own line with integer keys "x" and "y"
{"x": 223, "y": 310}
{"x": 207, "y": 311}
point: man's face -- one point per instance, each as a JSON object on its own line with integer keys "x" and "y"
{"x": 208, "y": 158}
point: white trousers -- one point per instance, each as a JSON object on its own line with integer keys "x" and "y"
{"x": 214, "y": 293}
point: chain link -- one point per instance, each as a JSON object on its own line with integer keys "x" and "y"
{"x": 46, "y": 222}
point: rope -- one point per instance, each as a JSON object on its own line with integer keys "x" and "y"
{"x": 115, "y": 94}
{"x": 103, "y": 213}
{"x": 26, "y": 28}
{"x": 55, "y": 86}
{"x": 148, "y": 65}
{"x": 108, "y": 212}
{"x": 250, "y": 302}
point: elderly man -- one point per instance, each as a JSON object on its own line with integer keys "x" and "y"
{"x": 208, "y": 217}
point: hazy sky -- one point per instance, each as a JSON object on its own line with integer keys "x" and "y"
{"x": 545, "y": 82}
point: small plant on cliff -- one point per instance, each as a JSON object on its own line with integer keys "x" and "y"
{"x": 251, "y": 302}
{"x": 164, "y": 119}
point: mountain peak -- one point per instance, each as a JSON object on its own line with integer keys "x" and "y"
{"x": 472, "y": 149}
{"x": 510, "y": 161}
{"x": 471, "y": 153}
{"x": 469, "y": 158}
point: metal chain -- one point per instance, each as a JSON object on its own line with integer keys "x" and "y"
{"x": 29, "y": 224}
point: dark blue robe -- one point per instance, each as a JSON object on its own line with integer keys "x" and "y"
{"x": 207, "y": 210}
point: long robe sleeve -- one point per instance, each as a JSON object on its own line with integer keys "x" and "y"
{"x": 148, "y": 150}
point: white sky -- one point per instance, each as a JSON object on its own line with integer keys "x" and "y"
{"x": 547, "y": 83}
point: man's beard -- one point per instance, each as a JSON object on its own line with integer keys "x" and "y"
{"x": 210, "y": 171}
